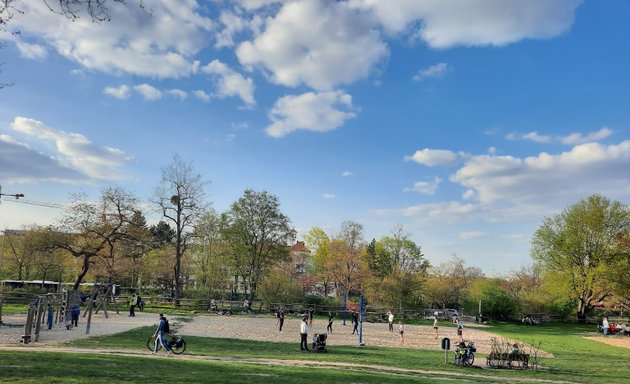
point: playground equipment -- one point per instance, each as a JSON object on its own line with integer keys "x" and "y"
{"x": 61, "y": 304}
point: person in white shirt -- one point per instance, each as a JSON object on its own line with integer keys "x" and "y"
{"x": 435, "y": 325}
{"x": 390, "y": 320}
{"x": 304, "y": 334}
{"x": 605, "y": 326}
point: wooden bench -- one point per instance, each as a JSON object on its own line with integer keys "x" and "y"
{"x": 514, "y": 360}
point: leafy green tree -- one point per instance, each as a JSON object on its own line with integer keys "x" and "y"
{"x": 397, "y": 270}
{"x": 209, "y": 254}
{"x": 319, "y": 243}
{"x": 378, "y": 260}
{"x": 496, "y": 301}
{"x": 257, "y": 234}
{"x": 579, "y": 249}
{"x": 279, "y": 287}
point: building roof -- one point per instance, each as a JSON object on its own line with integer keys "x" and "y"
{"x": 299, "y": 246}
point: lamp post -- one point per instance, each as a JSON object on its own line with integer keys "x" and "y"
{"x": 4, "y": 234}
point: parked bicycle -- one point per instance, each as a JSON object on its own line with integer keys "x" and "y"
{"x": 465, "y": 353}
{"x": 177, "y": 344}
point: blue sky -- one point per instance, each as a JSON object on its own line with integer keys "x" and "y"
{"x": 467, "y": 122}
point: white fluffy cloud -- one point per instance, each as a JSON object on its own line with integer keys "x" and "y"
{"x": 444, "y": 24}
{"x": 436, "y": 157}
{"x": 328, "y": 196}
{"x": 170, "y": 36}
{"x": 437, "y": 70}
{"x": 177, "y": 93}
{"x": 585, "y": 169}
{"x": 232, "y": 24}
{"x": 571, "y": 139}
{"x": 149, "y": 92}
{"x": 425, "y": 187}
{"x": 75, "y": 157}
{"x": 31, "y": 51}
{"x": 202, "y": 95}
{"x": 311, "y": 111}
{"x": 230, "y": 83}
{"x": 317, "y": 43}
{"x": 122, "y": 92}
{"x": 578, "y": 138}
{"x": 509, "y": 188}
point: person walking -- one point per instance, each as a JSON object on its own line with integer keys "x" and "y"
{"x": 330, "y": 322}
{"x": 605, "y": 325}
{"x": 311, "y": 313}
{"x": 435, "y": 325}
{"x": 75, "y": 311}
{"x": 460, "y": 329}
{"x": 304, "y": 334}
{"x": 51, "y": 313}
{"x": 132, "y": 305}
{"x": 355, "y": 322}
{"x": 390, "y": 321}
{"x": 401, "y": 331}
{"x": 140, "y": 304}
{"x": 280, "y": 321}
{"x": 159, "y": 336}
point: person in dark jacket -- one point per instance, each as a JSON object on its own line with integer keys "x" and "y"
{"x": 159, "y": 336}
{"x": 75, "y": 311}
{"x": 330, "y": 322}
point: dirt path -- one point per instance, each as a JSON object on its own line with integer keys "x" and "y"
{"x": 617, "y": 341}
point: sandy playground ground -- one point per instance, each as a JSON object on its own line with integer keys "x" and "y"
{"x": 262, "y": 328}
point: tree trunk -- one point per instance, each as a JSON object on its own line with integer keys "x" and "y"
{"x": 84, "y": 270}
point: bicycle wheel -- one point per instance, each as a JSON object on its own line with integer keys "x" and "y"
{"x": 151, "y": 344}
{"x": 471, "y": 359}
{"x": 178, "y": 345}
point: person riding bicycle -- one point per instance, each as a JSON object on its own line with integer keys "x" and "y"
{"x": 159, "y": 336}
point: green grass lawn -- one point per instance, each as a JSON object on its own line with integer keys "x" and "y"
{"x": 12, "y": 309}
{"x": 575, "y": 359}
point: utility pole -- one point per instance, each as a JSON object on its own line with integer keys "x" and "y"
{"x": 4, "y": 233}
{"x": 16, "y": 195}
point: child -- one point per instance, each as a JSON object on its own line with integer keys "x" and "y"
{"x": 460, "y": 329}
{"x": 401, "y": 330}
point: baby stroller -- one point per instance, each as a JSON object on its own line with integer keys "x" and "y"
{"x": 319, "y": 342}
{"x": 465, "y": 353}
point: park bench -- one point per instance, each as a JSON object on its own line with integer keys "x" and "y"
{"x": 515, "y": 360}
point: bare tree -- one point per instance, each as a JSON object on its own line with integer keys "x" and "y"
{"x": 88, "y": 228}
{"x": 180, "y": 199}
{"x": 97, "y": 10}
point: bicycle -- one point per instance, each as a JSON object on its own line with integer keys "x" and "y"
{"x": 465, "y": 354}
{"x": 177, "y": 344}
